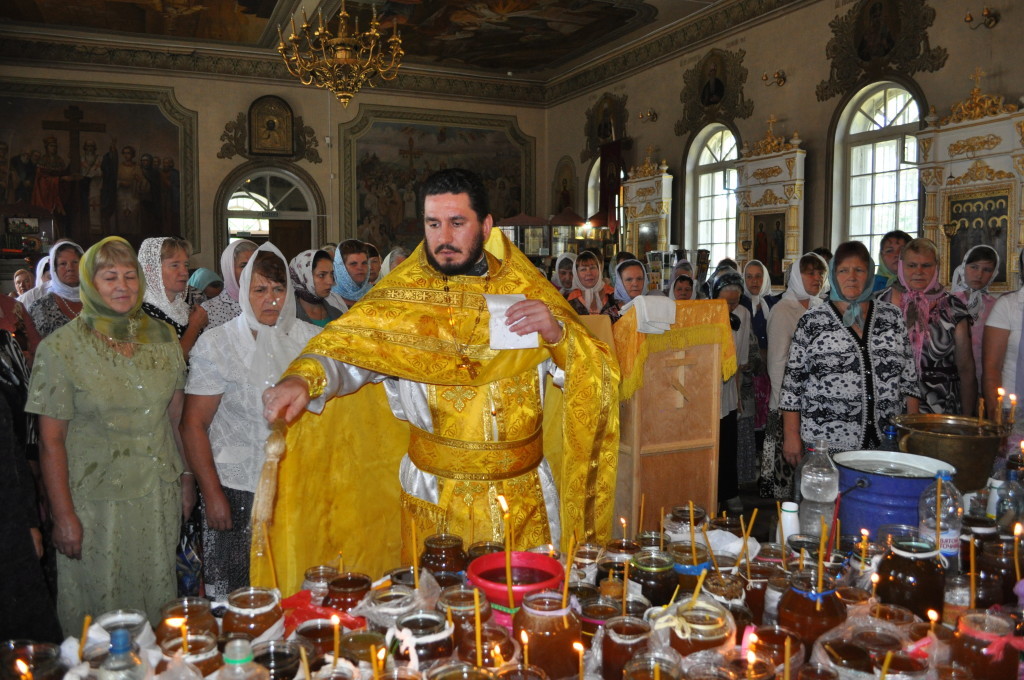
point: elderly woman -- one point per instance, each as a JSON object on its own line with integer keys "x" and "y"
{"x": 23, "y": 282}
{"x": 225, "y": 307}
{"x": 222, "y": 428}
{"x": 850, "y": 365}
{"x": 802, "y": 293}
{"x": 42, "y": 283}
{"x": 728, "y": 286}
{"x": 939, "y": 329}
{"x": 108, "y": 391}
{"x": 61, "y": 304}
{"x": 630, "y": 281}
{"x": 889, "y": 258}
{"x": 312, "y": 275}
{"x": 373, "y": 262}
{"x": 397, "y": 256}
{"x": 682, "y": 288}
{"x": 590, "y": 294}
{"x": 351, "y": 274}
{"x": 168, "y": 298}
{"x": 207, "y": 282}
{"x": 970, "y": 284}
{"x": 561, "y": 277}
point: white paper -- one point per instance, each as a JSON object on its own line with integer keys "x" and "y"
{"x": 503, "y": 337}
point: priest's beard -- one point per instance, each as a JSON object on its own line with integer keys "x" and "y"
{"x": 467, "y": 266}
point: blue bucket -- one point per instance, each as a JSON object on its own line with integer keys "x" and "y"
{"x": 882, "y": 487}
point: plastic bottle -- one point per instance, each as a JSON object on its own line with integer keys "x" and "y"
{"x": 238, "y": 663}
{"x": 950, "y": 513}
{"x": 123, "y": 663}
{"x": 1009, "y": 504}
{"x": 819, "y": 486}
{"x": 890, "y": 439}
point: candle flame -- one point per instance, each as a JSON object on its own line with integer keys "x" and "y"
{"x": 524, "y": 637}
{"x": 933, "y": 615}
{"x": 578, "y": 646}
{"x": 176, "y": 621}
{"x": 382, "y": 653}
{"x": 335, "y": 619}
{"x": 622, "y": 521}
{"x": 503, "y": 504}
{"x": 752, "y": 640}
{"x": 1001, "y": 392}
{"x": 864, "y": 532}
{"x": 1017, "y": 528}
{"x": 874, "y": 578}
{"x": 22, "y": 666}
{"x": 1013, "y": 398}
{"x": 751, "y": 657}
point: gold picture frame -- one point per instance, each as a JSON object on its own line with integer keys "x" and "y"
{"x": 271, "y": 127}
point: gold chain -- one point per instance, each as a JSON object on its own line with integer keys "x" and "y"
{"x": 465, "y": 364}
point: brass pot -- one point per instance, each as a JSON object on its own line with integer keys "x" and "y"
{"x": 969, "y": 445}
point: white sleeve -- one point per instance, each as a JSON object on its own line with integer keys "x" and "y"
{"x": 342, "y": 379}
{"x": 1001, "y": 313}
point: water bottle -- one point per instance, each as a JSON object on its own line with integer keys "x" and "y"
{"x": 890, "y": 439}
{"x": 238, "y": 663}
{"x": 1009, "y": 503}
{"x": 950, "y": 513}
{"x": 819, "y": 486}
{"x": 123, "y": 663}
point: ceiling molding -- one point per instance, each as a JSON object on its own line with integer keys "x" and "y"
{"x": 21, "y": 46}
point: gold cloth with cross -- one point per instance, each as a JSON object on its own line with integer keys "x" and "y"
{"x": 338, "y": 484}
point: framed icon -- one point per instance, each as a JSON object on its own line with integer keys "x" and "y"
{"x": 271, "y": 128}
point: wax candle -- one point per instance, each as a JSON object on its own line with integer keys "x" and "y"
{"x": 526, "y": 647}
{"x": 579, "y": 650}
{"x": 336, "y": 624}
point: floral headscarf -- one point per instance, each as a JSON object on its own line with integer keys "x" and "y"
{"x": 916, "y": 306}
{"x": 300, "y": 270}
{"x": 853, "y": 314}
{"x": 156, "y": 295}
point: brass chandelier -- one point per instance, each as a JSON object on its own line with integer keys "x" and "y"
{"x": 342, "y": 63}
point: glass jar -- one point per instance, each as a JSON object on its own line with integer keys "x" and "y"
{"x": 690, "y": 561}
{"x": 347, "y": 590}
{"x": 976, "y": 630}
{"x": 281, "y": 657}
{"x": 756, "y": 586}
{"x": 458, "y": 601}
{"x": 652, "y": 539}
{"x": 653, "y": 571}
{"x": 708, "y": 671}
{"x": 702, "y": 624}
{"x": 679, "y": 520}
{"x": 387, "y": 605}
{"x": 582, "y": 590}
{"x": 856, "y": 600}
{"x": 624, "y": 638}
{"x": 316, "y": 580}
{"x": 903, "y": 665}
{"x": 728, "y": 590}
{"x": 203, "y": 652}
{"x": 816, "y": 671}
{"x": 594, "y": 614}
{"x": 552, "y": 630}
{"x": 495, "y": 643}
{"x": 799, "y": 610}
{"x": 892, "y": 613}
{"x": 481, "y": 548}
{"x": 319, "y": 635}
{"x": 432, "y": 633}
{"x": 356, "y": 646}
{"x": 777, "y": 585}
{"x": 443, "y": 552}
{"x": 517, "y": 671}
{"x": 459, "y": 670}
{"x": 43, "y": 660}
{"x": 132, "y": 620}
{"x": 878, "y": 642}
{"x": 771, "y": 553}
{"x": 727, "y": 523}
{"x": 910, "y": 573}
{"x": 997, "y": 559}
{"x": 197, "y": 615}
{"x": 770, "y": 642}
{"x": 641, "y": 667}
{"x": 251, "y": 612}
{"x": 847, "y": 655}
{"x": 402, "y": 576}
{"x": 613, "y": 558}
{"x": 749, "y": 665}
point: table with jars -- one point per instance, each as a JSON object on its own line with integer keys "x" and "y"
{"x": 665, "y": 604}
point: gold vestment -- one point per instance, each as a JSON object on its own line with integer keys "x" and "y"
{"x": 338, "y": 486}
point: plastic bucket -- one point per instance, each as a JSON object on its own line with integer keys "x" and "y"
{"x": 488, "y": 574}
{"x": 882, "y": 487}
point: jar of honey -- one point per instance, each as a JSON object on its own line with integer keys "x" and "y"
{"x": 42, "y": 658}
{"x": 203, "y": 652}
{"x": 319, "y": 635}
{"x": 432, "y": 634}
{"x": 749, "y": 665}
{"x": 699, "y": 624}
{"x": 594, "y": 614}
{"x": 642, "y": 667}
{"x": 196, "y": 614}
{"x": 552, "y": 630}
{"x": 316, "y": 580}
{"x": 654, "y": 571}
{"x": 460, "y": 670}
{"x": 281, "y": 657}
{"x": 496, "y": 646}
{"x": 443, "y": 552}
{"x": 997, "y": 560}
{"x": 910, "y": 572}
{"x": 770, "y": 642}
{"x": 251, "y": 612}
{"x": 387, "y": 605}
{"x": 459, "y": 603}
{"x": 347, "y": 590}
{"x": 690, "y": 561}
{"x": 808, "y": 611}
{"x": 624, "y": 638}
{"x": 778, "y": 584}
{"x": 975, "y": 632}
{"x": 755, "y": 587}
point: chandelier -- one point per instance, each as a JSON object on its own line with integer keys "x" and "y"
{"x": 342, "y": 63}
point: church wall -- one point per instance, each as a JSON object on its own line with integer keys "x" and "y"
{"x": 218, "y": 101}
{"x": 793, "y": 42}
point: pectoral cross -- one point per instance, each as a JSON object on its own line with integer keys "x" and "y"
{"x": 677, "y": 378}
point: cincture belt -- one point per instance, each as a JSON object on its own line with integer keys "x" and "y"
{"x": 474, "y": 461}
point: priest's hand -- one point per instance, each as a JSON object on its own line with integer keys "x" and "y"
{"x": 287, "y": 399}
{"x": 533, "y": 316}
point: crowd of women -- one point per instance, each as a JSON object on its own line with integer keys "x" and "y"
{"x": 141, "y": 380}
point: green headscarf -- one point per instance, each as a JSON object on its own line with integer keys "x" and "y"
{"x": 135, "y": 326}
{"x": 853, "y": 314}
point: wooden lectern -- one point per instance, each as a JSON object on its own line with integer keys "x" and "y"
{"x": 669, "y": 410}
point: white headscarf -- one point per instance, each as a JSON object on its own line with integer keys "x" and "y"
{"x": 156, "y": 295}
{"x": 40, "y": 268}
{"x": 766, "y": 288}
{"x": 975, "y": 298}
{"x": 227, "y": 267}
{"x": 795, "y": 288}
{"x": 389, "y": 261}
{"x": 571, "y": 257}
{"x": 58, "y": 287}
{"x": 277, "y": 345}
{"x": 591, "y": 296}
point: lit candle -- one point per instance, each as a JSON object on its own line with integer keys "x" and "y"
{"x": 181, "y": 624}
{"x": 479, "y": 631}
{"x": 341, "y": 563}
{"x": 752, "y": 662}
{"x": 382, "y": 655}
{"x": 863, "y": 549}
{"x": 1016, "y": 550}
{"x": 578, "y": 646}
{"x": 1013, "y": 408}
{"x": 508, "y": 551}
{"x": 336, "y": 623}
{"x": 622, "y": 521}
{"x": 26, "y": 674}
{"x": 526, "y": 647}
{"x": 874, "y": 584}
{"x": 933, "y": 616}
{"x": 1000, "y": 392}
{"x": 785, "y": 661}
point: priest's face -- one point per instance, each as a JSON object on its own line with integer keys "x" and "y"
{"x": 454, "y": 233}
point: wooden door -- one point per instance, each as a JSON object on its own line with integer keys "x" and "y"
{"x": 290, "y": 236}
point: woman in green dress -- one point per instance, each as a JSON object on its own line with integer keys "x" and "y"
{"x": 108, "y": 388}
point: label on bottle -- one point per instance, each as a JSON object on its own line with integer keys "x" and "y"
{"x": 949, "y": 540}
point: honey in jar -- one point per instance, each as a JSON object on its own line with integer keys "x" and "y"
{"x": 552, "y": 630}
{"x": 653, "y": 571}
{"x": 432, "y": 634}
{"x": 458, "y": 601}
{"x": 799, "y": 608}
{"x": 347, "y": 590}
{"x": 690, "y": 561}
{"x": 756, "y": 586}
{"x": 770, "y": 642}
{"x": 997, "y": 560}
{"x": 196, "y": 613}
{"x": 703, "y": 624}
{"x": 280, "y": 657}
{"x": 978, "y": 629}
{"x": 495, "y": 643}
{"x": 910, "y": 573}
{"x": 203, "y": 652}
{"x": 444, "y": 552}
{"x": 624, "y": 638}
{"x": 251, "y": 612}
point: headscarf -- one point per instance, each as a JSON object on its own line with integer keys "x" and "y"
{"x": 725, "y": 277}
{"x": 682, "y": 277}
{"x": 571, "y": 257}
{"x": 203, "y": 277}
{"x": 620, "y": 288}
{"x": 227, "y": 267}
{"x": 388, "y": 263}
{"x": 852, "y": 315}
{"x": 795, "y": 283}
{"x": 591, "y": 296}
{"x": 156, "y": 295}
{"x": 883, "y": 270}
{"x": 58, "y": 287}
{"x": 613, "y": 265}
{"x": 343, "y": 283}
{"x": 758, "y": 300}
{"x": 133, "y": 326}
{"x": 40, "y": 270}
{"x": 916, "y": 307}
{"x": 277, "y": 345}
{"x": 300, "y": 271}
{"x": 975, "y": 298}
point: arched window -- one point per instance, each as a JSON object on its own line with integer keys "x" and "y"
{"x": 876, "y": 188}
{"x": 710, "y": 189}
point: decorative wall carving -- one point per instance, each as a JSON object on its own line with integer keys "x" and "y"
{"x": 876, "y": 36}
{"x": 980, "y": 172}
{"x": 764, "y": 174}
{"x": 972, "y": 145}
{"x": 713, "y": 91}
{"x": 977, "y": 105}
{"x": 606, "y": 122}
